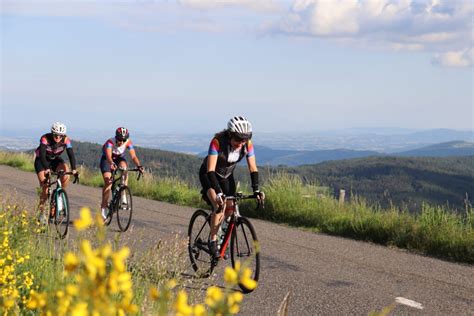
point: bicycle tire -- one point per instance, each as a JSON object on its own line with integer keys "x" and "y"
{"x": 111, "y": 206}
{"x": 199, "y": 231}
{"x": 245, "y": 248}
{"x": 123, "y": 209}
{"x": 61, "y": 218}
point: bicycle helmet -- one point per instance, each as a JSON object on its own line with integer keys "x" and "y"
{"x": 121, "y": 134}
{"x": 58, "y": 128}
{"x": 239, "y": 126}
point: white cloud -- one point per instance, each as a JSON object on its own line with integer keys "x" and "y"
{"x": 462, "y": 58}
{"x": 443, "y": 27}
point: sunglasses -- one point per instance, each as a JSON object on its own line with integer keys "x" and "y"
{"x": 58, "y": 136}
{"x": 240, "y": 140}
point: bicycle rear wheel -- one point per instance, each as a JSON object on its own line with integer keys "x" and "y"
{"x": 124, "y": 208}
{"x": 198, "y": 236}
{"x": 61, "y": 218}
{"x": 245, "y": 248}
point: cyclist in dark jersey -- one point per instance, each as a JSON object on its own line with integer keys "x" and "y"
{"x": 48, "y": 156}
{"x": 113, "y": 156}
{"x": 227, "y": 148}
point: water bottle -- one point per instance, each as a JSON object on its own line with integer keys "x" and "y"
{"x": 59, "y": 206}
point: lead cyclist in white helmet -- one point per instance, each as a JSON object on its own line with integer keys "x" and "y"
{"x": 48, "y": 156}
{"x": 216, "y": 174}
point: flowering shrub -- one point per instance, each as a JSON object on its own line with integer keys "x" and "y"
{"x": 16, "y": 283}
{"x": 94, "y": 280}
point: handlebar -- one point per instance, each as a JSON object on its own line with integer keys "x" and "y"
{"x": 61, "y": 173}
{"x": 240, "y": 196}
{"x": 140, "y": 173}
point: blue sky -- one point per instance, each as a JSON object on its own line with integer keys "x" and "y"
{"x": 189, "y": 65}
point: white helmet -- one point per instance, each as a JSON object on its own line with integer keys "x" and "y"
{"x": 58, "y": 128}
{"x": 240, "y": 127}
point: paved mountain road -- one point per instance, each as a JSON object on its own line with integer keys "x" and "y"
{"x": 326, "y": 275}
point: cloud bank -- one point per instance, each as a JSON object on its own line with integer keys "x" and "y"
{"x": 442, "y": 27}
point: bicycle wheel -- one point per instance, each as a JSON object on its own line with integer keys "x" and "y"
{"x": 198, "y": 236}
{"x": 61, "y": 218}
{"x": 245, "y": 248}
{"x": 124, "y": 208}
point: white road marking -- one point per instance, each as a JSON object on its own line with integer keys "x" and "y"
{"x": 405, "y": 301}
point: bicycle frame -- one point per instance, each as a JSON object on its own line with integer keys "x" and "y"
{"x": 233, "y": 219}
{"x": 123, "y": 173}
{"x": 57, "y": 182}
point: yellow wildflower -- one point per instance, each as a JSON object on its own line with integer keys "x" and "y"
{"x": 230, "y": 276}
{"x": 181, "y": 304}
{"x": 213, "y": 296}
{"x": 85, "y": 219}
{"x": 154, "y": 293}
{"x": 70, "y": 262}
{"x": 247, "y": 280}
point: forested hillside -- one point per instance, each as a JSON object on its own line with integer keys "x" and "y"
{"x": 160, "y": 162}
{"x": 398, "y": 180}
{"x": 383, "y": 180}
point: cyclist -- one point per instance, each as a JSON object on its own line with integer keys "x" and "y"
{"x": 113, "y": 156}
{"x": 48, "y": 156}
{"x": 227, "y": 148}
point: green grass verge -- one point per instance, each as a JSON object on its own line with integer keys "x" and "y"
{"x": 436, "y": 230}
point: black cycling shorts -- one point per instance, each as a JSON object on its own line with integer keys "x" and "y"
{"x": 105, "y": 165}
{"x": 227, "y": 184}
{"x": 52, "y": 164}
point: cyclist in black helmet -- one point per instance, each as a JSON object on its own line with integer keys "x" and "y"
{"x": 113, "y": 156}
{"x": 227, "y": 148}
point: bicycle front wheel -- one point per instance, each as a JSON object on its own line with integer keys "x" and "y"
{"x": 61, "y": 218}
{"x": 198, "y": 236}
{"x": 245, "y": 249}
{"x": 124, "y": 208}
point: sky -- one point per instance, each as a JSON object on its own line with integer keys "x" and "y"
{"x": 187, "y": 66}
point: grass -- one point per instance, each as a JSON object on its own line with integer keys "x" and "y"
{"x": 436, "y": 230}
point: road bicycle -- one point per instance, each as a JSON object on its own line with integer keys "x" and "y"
{"x": 238, "y": 232}
{"x": 121, "y": 201}
{"x": 58, "y": 201}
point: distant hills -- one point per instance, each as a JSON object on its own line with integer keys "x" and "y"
{"x": 454, "y": 148}
{"x": 275, "y": 157}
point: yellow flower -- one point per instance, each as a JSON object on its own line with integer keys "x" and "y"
{"x": 37, "y": 300}
{"x": 119, "y": 257}
{"x": 247, "y": 280}
{"x": 213, "y": 296}
{"x": 230, "y": 276}
{"x": 72, "y": 290}
{"x": 70, "y": 262}
{"x": 171, "y": 284}
{"x": 84, "y": 221}
{"x": 181, "y": 304}
{"x": 154, "y": 293}
{"x": 199, "y": 310}
{"x": 80, "y": 309}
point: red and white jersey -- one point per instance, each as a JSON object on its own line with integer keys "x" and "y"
{"x": 117, "y": 151}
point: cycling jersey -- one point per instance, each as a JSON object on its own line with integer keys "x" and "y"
{"x": 117, "y": 151}
{"x": 49, "y": 150}
{"x": 227, "y": 157}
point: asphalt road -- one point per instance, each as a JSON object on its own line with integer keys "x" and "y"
{"x": 325, "y": 275}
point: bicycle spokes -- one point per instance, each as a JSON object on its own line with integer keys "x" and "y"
{"x": 245, "y": 248}
{"x": 198, "y": 237}
{"x": 61, "y": 216}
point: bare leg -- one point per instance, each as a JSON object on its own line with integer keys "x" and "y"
{"x": 107, "y": 176}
